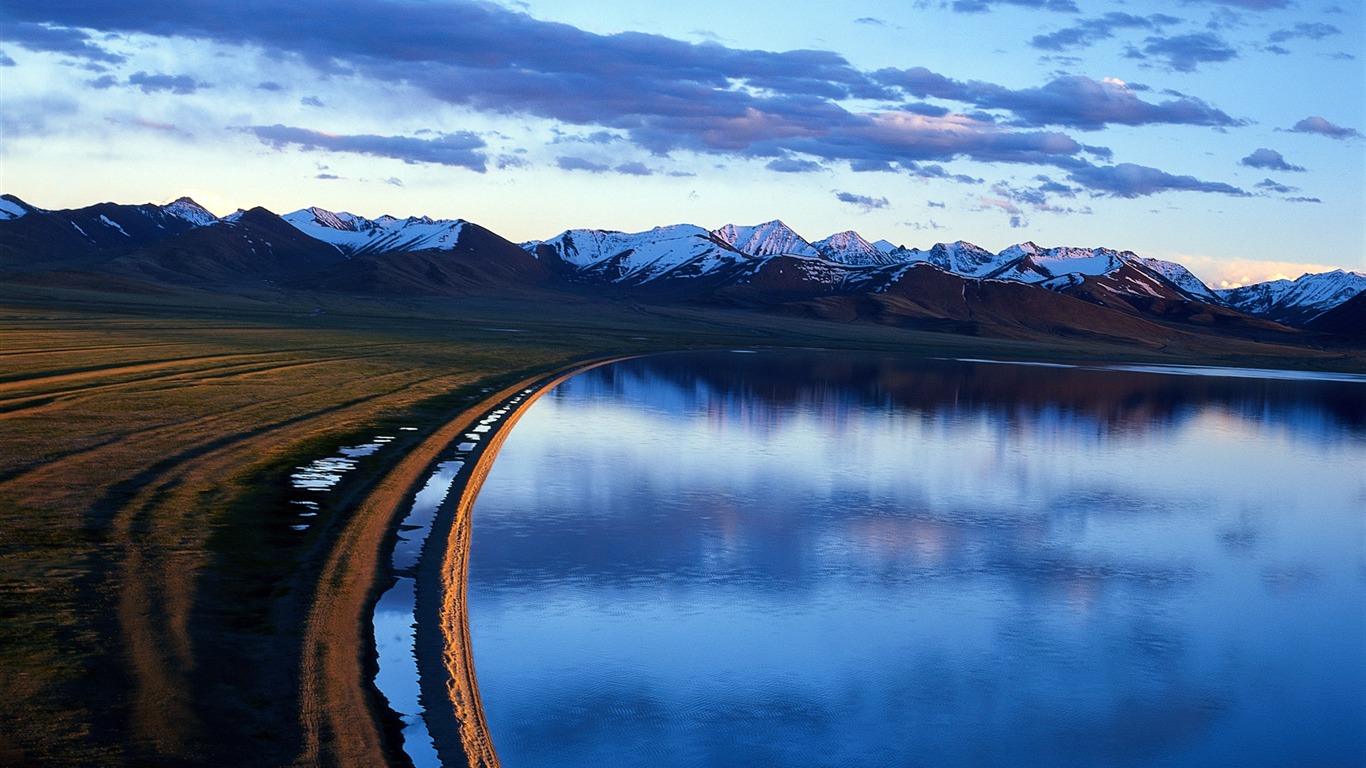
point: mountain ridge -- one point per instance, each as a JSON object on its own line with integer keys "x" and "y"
{"x": 766, "y": 264}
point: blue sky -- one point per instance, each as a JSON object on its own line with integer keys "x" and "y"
{"x": 1223, "y": 134}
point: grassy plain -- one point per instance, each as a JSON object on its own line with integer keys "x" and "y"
{"x": 156, "y": 605}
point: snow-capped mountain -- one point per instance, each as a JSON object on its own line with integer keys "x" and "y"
{"x": 1028, "y": 263}
{"x": 850, "y": 248}
{"x": 11, "y": 208}
{"x": 1178, "y": 275}
{"x": 99, "y": 227}
{"x": 959, "y": 257}
{"x": 355, "y": 235}
{"x": 677, "y": 251}
{"x": 767, "y": 239}
{"x": 1298, "y": 300}
{"x": 748, "y": 265}
{"x": 188, "y": 210}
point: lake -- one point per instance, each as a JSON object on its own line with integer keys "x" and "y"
{"x": 821, "y": 559}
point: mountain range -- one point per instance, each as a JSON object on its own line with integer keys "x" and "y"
{"x": 1023, "y": 289}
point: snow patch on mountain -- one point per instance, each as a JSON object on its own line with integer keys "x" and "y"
{"x": 1309, "y": 295}
{"x": 959, "y": 257}
{"x": 680, "y": 250}
{"x": 768, "y": 239}
{"x": 850, "y": 248}
{"x": 108, "y": 222}
{"x": 10, "y": 208}
{"x": 188, "y": 210}
{"x": 1035, "y": 265}
{"x": 355, "y": 235}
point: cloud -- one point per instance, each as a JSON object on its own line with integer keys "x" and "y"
{"x": 1009, "y": 198}
{"x": 327, "y": 176}
{"x": 269, "y": 85}
{"x": 1315, "y": 124}
{"x": 1227, "y": 271}
{"x": 156, "y": 126}
{"x": 1184, "y": 53}
{"x": 1049, "y": 186}
{"x": 1303, "y": 200}
{"x": 794, "y": 165}
{"x": 870, "y": 21}
{"x": 1130, "y": 180}
{"x": 982, "y": 6}
{"x": 1017, "y": 217}
{"x": 581, "y": 164}
{"x": 311, "y": 101}
{"x": 1073, "y": 101}
{"x": 1274, "y": 186}
{"x": 153, "y": 83}
{"x": 1314, "y": 31}
{"x": 45, "y": 38}
{"x": 1269, "y": 159}
{"x": 461, "y": 149}
{"x": 634, "y": 169}
{"x": 1255, "y": 5}
{"x": 6, "y": 61}
{"x": 660, "y": 93}
{"x": 394, "y": 181}
{"x": 1088, "y": 32}
{"x": 933, "y": 204}
{"x": 862, "y": 201}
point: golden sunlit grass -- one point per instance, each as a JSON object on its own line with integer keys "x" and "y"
{"x": 154, "y": 602}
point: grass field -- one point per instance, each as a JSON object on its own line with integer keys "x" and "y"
{"x": 153, "y": 597}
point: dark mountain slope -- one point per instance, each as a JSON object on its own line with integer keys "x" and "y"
{"x": 259, "y": 247}
{"x": 480, "y": 260}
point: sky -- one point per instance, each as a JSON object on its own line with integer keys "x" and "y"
{"x": 1226, "y": 135}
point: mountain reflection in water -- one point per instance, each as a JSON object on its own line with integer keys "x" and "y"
{"x": 830, "y": 559}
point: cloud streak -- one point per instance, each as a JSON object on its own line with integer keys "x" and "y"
{"x": 1320, "y": 126}
{"x": 1130, "y": 180}
{"x": 864, "y": 202}
{"x": 1088, "y": 32}
{"x": 46, "y": 38}
{"x": 1185, "y": 53}
{"x": 1269, "y": 159}
{"x": 461, "y": 149}
{"x": 1072, "y": 101}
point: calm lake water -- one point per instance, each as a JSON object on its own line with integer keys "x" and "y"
{"x": 818, "y": 559}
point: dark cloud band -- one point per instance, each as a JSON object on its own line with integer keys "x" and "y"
{"x": 462, "y": 149}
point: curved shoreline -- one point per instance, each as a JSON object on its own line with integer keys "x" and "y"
{"x": 345, "y": 718}
{"x": 449, "y": 687}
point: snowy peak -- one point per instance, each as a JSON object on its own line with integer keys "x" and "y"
{"x": 850, "y": 248}
{"x": 12, "y": 207}
{"x": 677, "y": 251}
{"x": 321, "y": 217}
{"x": 960, "y": 257}
{"x": 1298, "y": 300}
{"x": 355, "y": 235}
{"x": 188, "y": 210}
{"x": 1035, "y": 265}
{"x": 768, "y": 239}
{"x": 1177, "y": 275}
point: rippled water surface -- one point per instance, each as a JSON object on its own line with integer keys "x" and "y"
{"x": 818, "y": 559}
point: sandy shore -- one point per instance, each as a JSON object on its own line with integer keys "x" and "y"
{"x": 450, "y": 689}
{"x": 345, "y": 721}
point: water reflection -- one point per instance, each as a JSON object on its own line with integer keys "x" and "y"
{"x": 821, "y": 559}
